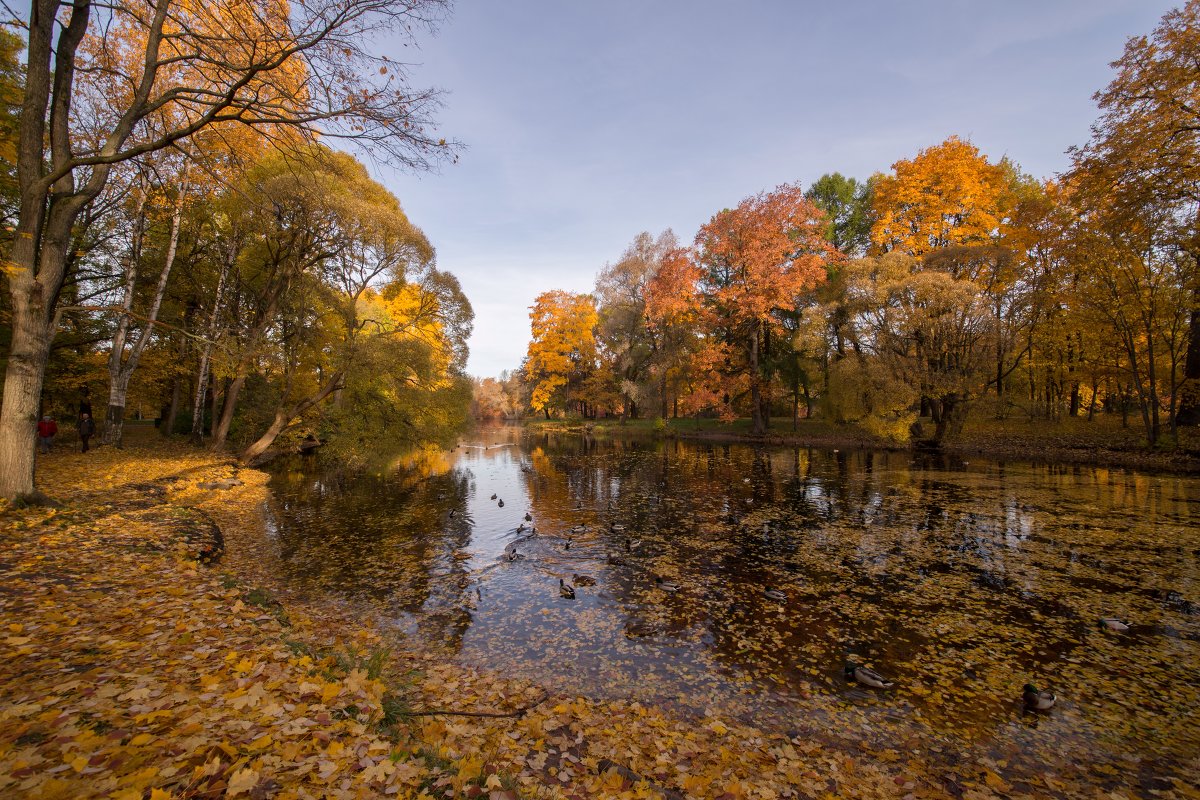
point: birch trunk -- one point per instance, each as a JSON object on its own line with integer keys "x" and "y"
{"x": 121, "y": 371}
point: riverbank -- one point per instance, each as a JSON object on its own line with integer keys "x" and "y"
{"x": 1099, "y": 442}
{"x": 140, "y": 664}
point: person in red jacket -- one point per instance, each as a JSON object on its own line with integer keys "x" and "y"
{"x": 47, "y": 430}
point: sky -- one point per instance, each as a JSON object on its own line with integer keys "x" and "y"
{"x": 586, "y": 122}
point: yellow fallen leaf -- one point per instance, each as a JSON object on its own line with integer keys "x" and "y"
{"x": 141, "y": 739}
{"x": 242, "y": 781}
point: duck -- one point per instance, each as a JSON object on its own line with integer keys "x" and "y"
{"x": 493, "y": 497}
{"x": 521, "y": 528}
{"x": 528, "y": 517}
{"x": 579, "y": 529}
{"x": 500, "y": 503}
{"x": 618, "y": 527}
{"x": 567, "y": 545}
{"x": 583, "y": 580}
{"x": 1113, "y": 624}
{"x": 1035, "y": 700}
{"x": 667, "y": 586}
{"x": 867, "y": 677}
{"x": 616, "y": 561}
{"x": 775, "y": 594}
{"x": 565, "y": 591}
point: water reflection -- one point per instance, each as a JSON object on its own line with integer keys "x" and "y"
{"x": 959, "y": 581}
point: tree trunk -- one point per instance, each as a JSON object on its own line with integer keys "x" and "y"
{"x": 23, "y": 379}
{"x": 33, "y": 324}
{"x": 1189, "y": 405}
{"x": 950, "y": 421}
{"x": 167, "y": 426}
{"x": 756, "y": 411}
{"x": 284, "y": 417}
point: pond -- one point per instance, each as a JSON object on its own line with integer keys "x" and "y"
{"x": 959, "y": 582}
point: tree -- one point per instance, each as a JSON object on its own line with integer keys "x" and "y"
{"x": 847, "y": 206}
{"x": 1143, "y": 161}
{"x": 621, "y": 300}
{"x": 930, "y": 331}
{"x": 138, "y": 78}
{"x": 948, "y": 195}
{"x": 672, "y": 312}
{"x": 755, "y": 260}
{"x": 562, "y": 349}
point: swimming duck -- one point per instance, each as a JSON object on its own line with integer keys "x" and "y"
{"x": 528, "y": 517}
{"x": 493, "y": 497}
{"x": 616, "y": 526}
{"x": 566, "y": 591}
{"x": 567, "y": 545}
{"x": 867, "y": 677}
{"x": 513, "y": 555}
{"x": 667, "y": 586}
{"x": 583, "y": 580}
{"x": 1035, "y": 700}
{"x": 616, "y": 561}
{"x": 579, "y": 529}
{"x": 500, "y": 503}
{"x": 1113, "y": 624}
{"x": 775, "y": 594}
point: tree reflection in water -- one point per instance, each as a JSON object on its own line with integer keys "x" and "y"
{"x": 959, "y": 582}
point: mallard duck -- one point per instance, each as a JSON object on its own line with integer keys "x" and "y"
{"x": 500, "y": 503}
{"x": 513, "y": 555}
{"x": 521, "y": 528}
{"x": 566, "y": 591}
{"x": 528, "y": 517}
{"x": 567, "y": 545}
{"x": 493, "y": 497}
{"x": 867, "y": 677}
{"x": 579, "y": 529}
{"x": 1035, "y": 700}
{"x": 1113, "y": 624}
{"x": 583, "y": 580}
{"x": 667, "y": 586}
{"x": 616, "y": 561}
{"x": 618, "y": 527}
{"x": 775, "y": 594}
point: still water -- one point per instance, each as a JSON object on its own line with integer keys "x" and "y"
{"x": 958, "y": 581}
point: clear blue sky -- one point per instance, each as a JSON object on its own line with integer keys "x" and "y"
{"x": 587, "y": 121}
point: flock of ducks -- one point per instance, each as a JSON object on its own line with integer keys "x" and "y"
{"x": 1033, "y": 698}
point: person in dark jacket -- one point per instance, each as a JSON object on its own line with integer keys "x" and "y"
{"x": 47, "y": 429}
{"x": 87, "y": 427}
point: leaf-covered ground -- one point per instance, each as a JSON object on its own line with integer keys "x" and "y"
{"x": 131, "y": 669}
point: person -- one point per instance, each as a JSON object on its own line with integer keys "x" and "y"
{"x": 86, "y": 428}
{"x": 47, "y": 430}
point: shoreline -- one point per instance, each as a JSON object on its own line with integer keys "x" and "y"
{"x": 1030, "y": 448}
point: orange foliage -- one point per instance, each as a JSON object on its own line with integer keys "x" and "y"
{"x": 948, "y": 195}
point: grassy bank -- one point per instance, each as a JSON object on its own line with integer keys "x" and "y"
{"x": 137, "y": 666}
{"x": 1101, "y": 441}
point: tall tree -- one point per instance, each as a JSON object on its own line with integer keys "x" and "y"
{"x": 1143, "y": 160}
{"x": 755, "y": 260}
{"x": 562, "y": 349}
{"x": 105, "y": 85}
{"x": 621, "y": 300}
